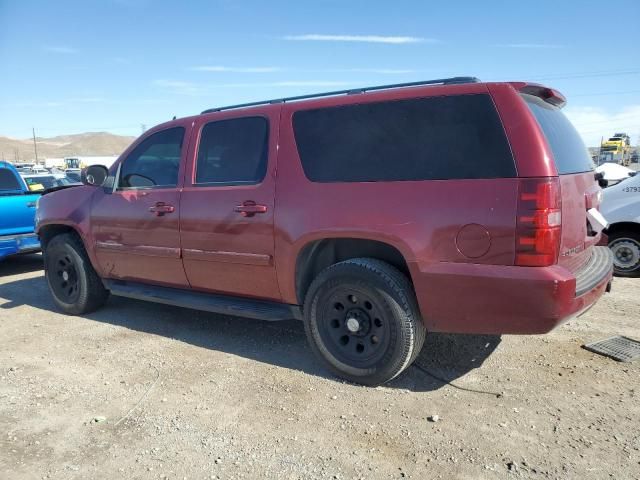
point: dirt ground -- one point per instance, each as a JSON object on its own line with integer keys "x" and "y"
{"x": 221, "y": 397}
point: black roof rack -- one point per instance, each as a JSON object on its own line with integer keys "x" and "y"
{"x": 351, "y": 91}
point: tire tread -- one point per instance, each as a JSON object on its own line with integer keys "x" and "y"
{"x": 400, "y": 290}
{"x": 96, "y": 294}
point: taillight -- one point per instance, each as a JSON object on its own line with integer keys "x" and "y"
{"x": 539, "y": 222}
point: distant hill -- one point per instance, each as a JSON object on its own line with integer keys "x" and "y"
{"x": 90, "y": 143}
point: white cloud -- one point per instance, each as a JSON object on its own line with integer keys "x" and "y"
{"x": 87, "y": 100}
{"x": 285, "y": 83}
{"x": 383, "y": 71}
{"x": 594, "y": 123}
{"x": 180, "y": 87}
{"x": 396, "y": 40}
{"x": 40, "y": 104}
{"x": 530, "y": 45}
{"x": 60, "y": 49}
{"x": 308, "y": 83}
{"x": 220, "y": 68}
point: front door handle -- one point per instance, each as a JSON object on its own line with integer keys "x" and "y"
{"x": 250, "y": 208}
{"x": 161, "y": 208}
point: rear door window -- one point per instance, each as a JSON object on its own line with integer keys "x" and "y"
{"x": 8, "y": 180}
{"x": 233, "y": 152}
{"x": 432, "y": 138}
{"x": 569, "y": 151}
{"x": 155, "y": 162}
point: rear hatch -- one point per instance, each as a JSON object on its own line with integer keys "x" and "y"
{"x": 578, "y": 186}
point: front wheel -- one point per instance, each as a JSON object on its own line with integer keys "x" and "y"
{"x": 74, "y": 284}
{"x": 626, "y": 253}
{"x": 362, "y": 319}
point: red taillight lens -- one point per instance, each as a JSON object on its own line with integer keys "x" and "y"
{"x": 539, "y": 222}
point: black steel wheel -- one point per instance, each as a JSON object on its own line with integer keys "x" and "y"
{"x": 352, "y": 325}
{"x": 63, "y": 279}
{"x": 362, "y": 320}
{"x": 74, "y": 284}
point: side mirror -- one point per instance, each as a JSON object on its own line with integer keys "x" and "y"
{"x": 601, "y": 181}
{"x": 95, "y": 175}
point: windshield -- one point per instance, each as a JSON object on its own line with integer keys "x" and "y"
{"x": 43, "y": 182}
{"x": 569, "y": 151}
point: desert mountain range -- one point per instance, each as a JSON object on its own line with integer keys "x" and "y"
{"x": 90, "y": 143}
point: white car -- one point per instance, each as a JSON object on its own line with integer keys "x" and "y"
{"x": 613, "y": 172}
{"x": 621, "y": 207}
{"x": 37, "y": 170}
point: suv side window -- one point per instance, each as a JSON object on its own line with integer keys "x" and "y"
{"x": 233, "y": 152}
{"x": 8, "y": 180}
{"x": 429, "y": 138}
{"x": 155, "y": 162}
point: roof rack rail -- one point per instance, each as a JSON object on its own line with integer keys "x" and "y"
{"x": 351, "y": 91}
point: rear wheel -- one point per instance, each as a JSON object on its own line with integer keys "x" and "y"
{"x": 626, "y": 253}
{"x": 362, "y": 320}
{"x": 74, "y": 284}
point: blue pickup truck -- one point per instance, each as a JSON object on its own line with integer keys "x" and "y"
{"x": 17, "y": 214}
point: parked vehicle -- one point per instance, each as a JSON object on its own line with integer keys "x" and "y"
{"x": 375, "y": 215}
{"x": 17, "y": 212}
{"x": 616, "y": 149}
{"x": 73, "y": 174}
{"x": 612, "y": 173}
{"x": 23, "y": 167}
{"x": 36, "y": 170}
{"x": 78, "y": 163}
{"x": 40, "y": 182}
{"x": 621, "y": 207}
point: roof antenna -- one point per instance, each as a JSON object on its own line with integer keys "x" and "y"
{"x": 174, "y": 117}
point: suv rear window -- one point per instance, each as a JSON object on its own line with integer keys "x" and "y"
{"x": 569, "y": 151}
{"x": 432, "y": 138}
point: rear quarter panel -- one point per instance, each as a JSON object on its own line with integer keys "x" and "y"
{"x": 528, "y": 143}
{"x": 421, "y": 219}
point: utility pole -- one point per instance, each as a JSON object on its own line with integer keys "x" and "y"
{"x": 35, "y": 147}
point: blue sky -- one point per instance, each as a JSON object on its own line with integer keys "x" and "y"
{"x": 73, "y": 66}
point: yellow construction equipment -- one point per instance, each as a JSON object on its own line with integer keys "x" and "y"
{"x": 616, "y": 150}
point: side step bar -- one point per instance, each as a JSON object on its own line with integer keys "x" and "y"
{"x": 226, "y": 305}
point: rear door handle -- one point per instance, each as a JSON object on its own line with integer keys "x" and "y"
{"x": 161, "y": 208}
{"x": 250, "y": 208}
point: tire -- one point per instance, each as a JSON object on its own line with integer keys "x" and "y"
{"x": 362, "y": 320}
{"x": 74, "y": 284}
{"x": 625, "y": 246}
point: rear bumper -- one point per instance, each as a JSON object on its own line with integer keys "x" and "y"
{"x": 495, "y": 299}
{"x": 16, "y": 244}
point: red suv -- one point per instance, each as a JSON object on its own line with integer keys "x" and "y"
{"x": 375, "y": 215}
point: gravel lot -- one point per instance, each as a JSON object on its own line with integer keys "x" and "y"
{"x": 222, "y": 397}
